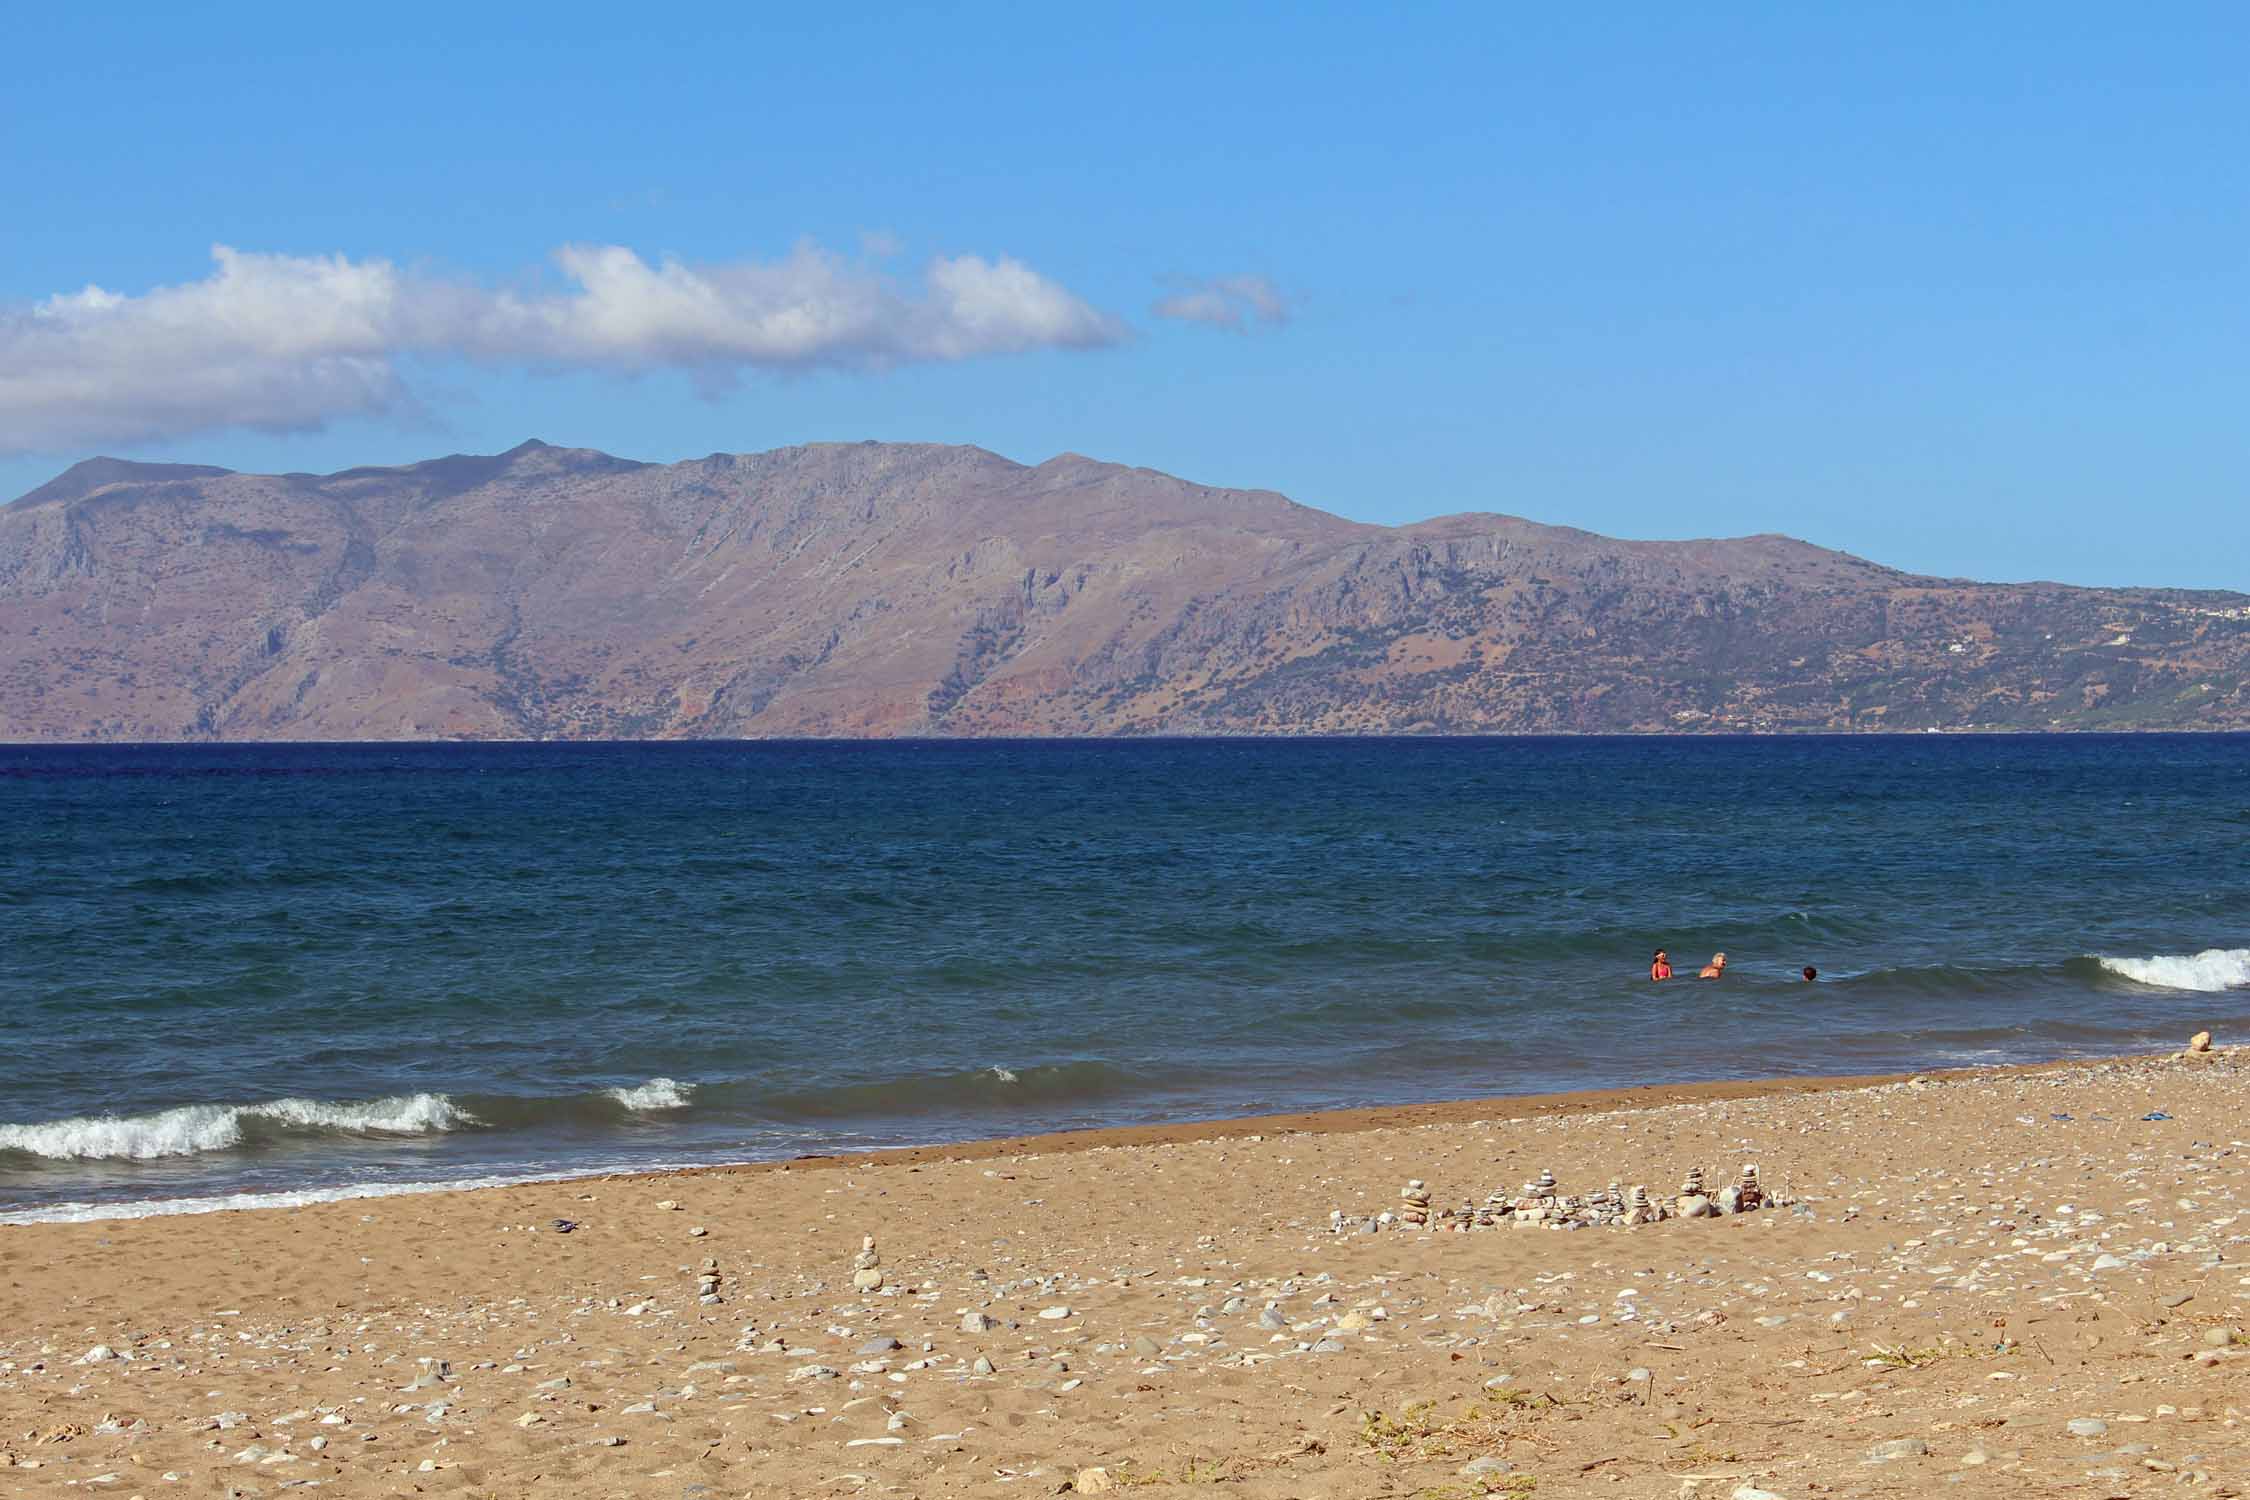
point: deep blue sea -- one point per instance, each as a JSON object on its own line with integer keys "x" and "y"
{"x": 312, "y": 969}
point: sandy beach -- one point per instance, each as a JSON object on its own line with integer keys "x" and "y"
{"x": 2017, "y": 1282}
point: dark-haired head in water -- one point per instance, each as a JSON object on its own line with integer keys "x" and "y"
{"x": 1660, "y": 967}
{"x": 1811, "y": 973}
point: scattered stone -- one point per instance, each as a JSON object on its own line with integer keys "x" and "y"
{"x": 1898, "y": 1448}
{"x": 2086, "y": 1427}
{"x": 976, "y": 1322}
{"x": 1092, "y": 1481}
{"x": 2200, "y": 1042}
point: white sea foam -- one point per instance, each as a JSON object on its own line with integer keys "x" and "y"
{"x": 2211, "y": 970}
{"x": 657, "y": 1093}
{"x": 157, "y": 1208}
{"x": 1003, "y": 1074}
{"x": 192, "y": 1129}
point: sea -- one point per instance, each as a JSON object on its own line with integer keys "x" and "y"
{"x": 241, "y": 975}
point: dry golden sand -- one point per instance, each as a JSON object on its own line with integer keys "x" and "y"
{"x": 1972, "y": 1264}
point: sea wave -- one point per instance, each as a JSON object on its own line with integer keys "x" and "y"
{"x": 1083, "y": 1082}
{"x": 657, "y": 1093}
{"x": 2210, "y": 971}
{"x": 193, "y": 1129}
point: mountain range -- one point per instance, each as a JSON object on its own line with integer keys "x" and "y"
{"x": 880, "y": 589}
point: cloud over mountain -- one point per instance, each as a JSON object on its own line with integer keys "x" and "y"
{"x": 287, "y": 343}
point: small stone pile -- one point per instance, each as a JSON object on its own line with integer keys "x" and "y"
{"x": 867, "y": 1272}
{"x": 1541, "y": 1201}
{"x": 707, "y": 1283}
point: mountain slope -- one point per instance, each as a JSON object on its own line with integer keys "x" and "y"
{"x": 895, "y": 589}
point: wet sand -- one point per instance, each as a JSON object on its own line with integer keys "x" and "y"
{"x": 2006, "y": 1282}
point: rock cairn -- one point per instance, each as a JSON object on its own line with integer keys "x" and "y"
{"x": 867, "y": 1267}
{"x": 1542, "y": 1202}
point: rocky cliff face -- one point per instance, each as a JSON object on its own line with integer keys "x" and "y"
{"x": 889, "y": 589}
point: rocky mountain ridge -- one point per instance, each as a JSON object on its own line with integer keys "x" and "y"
{"x": 912, "y": 589}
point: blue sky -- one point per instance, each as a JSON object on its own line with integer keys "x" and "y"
{"x": 1965, "y": 290}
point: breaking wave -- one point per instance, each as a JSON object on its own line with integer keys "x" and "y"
{"x": 657, "y": 1093}
{"x": 2212, "y": 970}
{"x": 192, "y": 1129}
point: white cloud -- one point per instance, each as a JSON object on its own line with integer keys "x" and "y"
{"x": 287, "y": 343}
{"x": 1231, "y": 302}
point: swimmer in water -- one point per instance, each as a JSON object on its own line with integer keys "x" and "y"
{"x": 1811, "y": 973}
{"x": 1660, "y": 967}
{"x": 1716, "y": 968}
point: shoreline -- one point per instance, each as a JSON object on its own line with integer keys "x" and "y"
{"x": 1347, "y": 1121}
{"x": 2014, "y": 1280}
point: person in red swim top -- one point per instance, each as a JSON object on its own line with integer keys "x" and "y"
{"x": 1660, "y": 967}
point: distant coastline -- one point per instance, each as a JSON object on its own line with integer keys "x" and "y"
{"x": 876, "y": 591}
